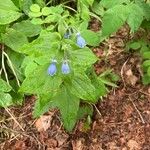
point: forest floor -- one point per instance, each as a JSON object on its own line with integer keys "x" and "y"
{"x": 121, "y": 121}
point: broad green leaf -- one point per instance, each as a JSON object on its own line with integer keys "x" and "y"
{"x": 148, "y": 71}
{"x": 83, "y": 57}
{"x": 27, "y": 28}
{"x": 30, "y": 67}
{"x": 34, "y": 14}
{"x": 35, "y": 8}
{"x": 107, "y": 82}
{"x": 90, "y": 2}
{"x": 82, "y": 88}
{"x": 91, "y": 37}
{"x": 100, "y": 87}
{"x": 5, "y": 99}
{"x": 61, "y": 27}
{"x": 145, "y": 7}
{"x": 83, "y": 10}
{"x": 4, "y": 87}
{"x": 8, "y": 16}
{"x": 16, "y": 64}
{"x": 14, "y": 39}
{"x": 8, "y": 5}
{"x": 42, "y": 104}
{"x": 46, "y": 11}
{"x": 85, "y": 110}
{"x": 98, "y": 8}
{"x": 135, "y": 17}
{"x": 37, "y": 21}
{"x": 17, "y": 98}
{"x": 41, "y": 3}
{"x": 112, "y": 3}
{"x": 146, "y": 55}
{"x": 113, "y": 19}
{"x": 17, "y": 2}
{"x": 146, "y": 63}
{"x": 46, "y": 43}
{"x": 135, "y": 45}
{"x": 38, "y": 81}
{"x": 26, "y": 6}
{"x": 8, "y": 12}
{"x": 68, "y": 105}
{"x": 146, "y": 79}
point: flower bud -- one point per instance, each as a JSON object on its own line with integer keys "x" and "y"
{"x": 80, "y": 41}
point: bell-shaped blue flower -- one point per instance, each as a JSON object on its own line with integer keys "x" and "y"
{"x": 67, "y": 35}
{"x": 80, "y": 41}
{"x": 65, "y": 69}
{"x": 52, "y": 68}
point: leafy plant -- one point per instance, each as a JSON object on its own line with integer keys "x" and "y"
{"x": 45, "y": 51}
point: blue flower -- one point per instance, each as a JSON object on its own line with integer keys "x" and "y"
{"x": 52, "y": 68}
{"x": 80, "y": 41}
{"x": 67, "y": 35}
{"x": 65, "y": 68}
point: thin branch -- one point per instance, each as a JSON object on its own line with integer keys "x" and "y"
{"x": 3, "y": 65}
{"x": 12, "y": 68}
{"x": 141, "y": 117}
{"x": 8, "y": 111}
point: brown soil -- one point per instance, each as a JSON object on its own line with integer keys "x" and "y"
{"x": 120, "y": 122}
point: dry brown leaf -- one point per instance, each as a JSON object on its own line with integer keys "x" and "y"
{"x": 43, "y": 123}
{"x": 131, "y": 79}
{"x": 77, "y": 145}
{"x": 20, "y": 145}
{"x": 133, "y": 145}
{"x": 51, "y": 143}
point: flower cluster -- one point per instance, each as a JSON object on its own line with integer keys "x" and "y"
{"x": 80, "y": 40}
{"x": 52, "y": 69}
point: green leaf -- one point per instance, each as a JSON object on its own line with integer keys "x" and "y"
{"x": 135, "y": 45}
{"x": 85, "y": 110}
{"x": 148, "y": 71}
{"x": 47, "y": 43}
{"x": 113, "y": 19}
{"x": 41, "y": 3}
{"x": 4, "y": 87}
{"x": 112, "y": 3}
{"x": 90, "y": 2}
{"x": 14, "y": 39}
{"x": 34, "y": 14}
{"x": 107, "y": 82}
{"x": 100, "y": 87}
{"x": 8, "y": 12}
{"x": 35, "y": 8}
{"x": 135, "y": 17}
{"x": 38, "y": 81}
{"x": 68, "y": 105}
{"x": 146, "y": 79}
{"x": 8, "y": 16}
{"x": 145, "y": 7}
{"x": 146, "y": 55}
{"x": 5, "y": 99}
{"x": 27, "y": 28}
{"x": 8, "y": 5}
{"x": 16, "y": 64}
{"x": 146, "y": 63}
{"x": 98, "y": 8}
{"x": 26, "y": 6}
{"x": 37, "y": 21}
{"x": 42, "y": 104}
{"x": 46, "y": 11}
{"x": 82, "y": 88}
{"x": 83, "y": 57}
{"x": 92, "y": 38}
